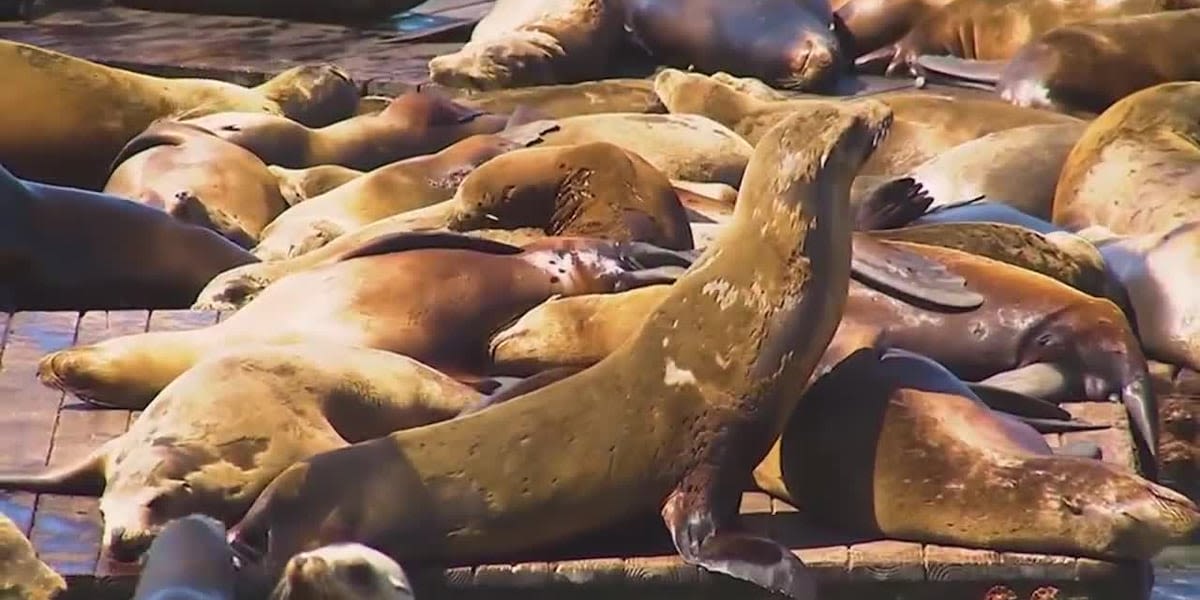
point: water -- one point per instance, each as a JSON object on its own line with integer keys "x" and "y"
{"x": 1177, "y": 574}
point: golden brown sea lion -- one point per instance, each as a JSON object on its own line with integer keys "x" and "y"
{"x": 571, "y": 100}
{"x": 199, "y": 447}
{"x": 71, "y": 249}
{"x": 321, "y": 11}
{"x": 196, "y": 177}
{"x": 189, "y": 559}
{"x": 86, "y": 112}
{"x": 685, "y": 416}
{"x": 920, "y": 458}
{"x": 343, "y": 572}
{"x": 298, "y": 185}
{"x": 872, "y": 24}
{"x": 786, "y": 43}
{"x": 472, "y": 287}
{"x": 534, "y": 42}
{"x": 389, "y": 190}
{"x": 21, "y": 572}
{"x": 414, "y": 124}
{"x": 926, "y": 124}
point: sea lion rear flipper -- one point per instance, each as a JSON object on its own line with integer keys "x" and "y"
{"x": 1060, "y": 425}
{"x": 979, "y": 74}
{"x": 893, "y": 204}
{"x": 1016, "y": 403}
{"x": 1081, "y": 449}
{"x": 528, "y": 133}
{"x": 419, "y": 240}
{"x": 894, "y": 269}
{"x": 713, "y": 541}
{"x": 84, "y": 478}
{"x": 1047, "y": 381}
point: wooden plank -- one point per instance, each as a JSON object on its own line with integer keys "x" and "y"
{"x": 826, "y": 553}
{"x": 886, "y": 560}
{"x": 953, "y": 563}
{"x": 1039, "y": 567}
{"x": 30, "y": 409}
{"x": 590, "y": 571}
{"x": 1116, "y": 442}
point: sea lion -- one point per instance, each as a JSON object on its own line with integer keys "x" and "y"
{"x": 298, "y": 185}
{"x": 786, "y": 43}
{"x": 86, "y": 112}
{"x": 534, "y": 42}
{"x": 71, "y": 249}
{"x": 199, "y": 447}
{"x": 684, "y": 418}
{"x": 570, "y": 100}
{"x": 926, "y": 124}
{"x": 873, "y": 24}
{"x": 21, "y": 572}
{"x": 188, "y": 559}
{"x": 472, "y": 287}
{"x": 196, "y": 177}
{"x": 343, "y": 572}
{"x": 414, "y": 124}
{"x": 390, "y": 190}
{"x": 922, "y": 459}
{"x": 333, "y": 12}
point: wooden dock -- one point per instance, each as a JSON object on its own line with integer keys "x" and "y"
{"x": 40, "y": 426}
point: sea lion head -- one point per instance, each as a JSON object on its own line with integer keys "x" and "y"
{"x": 315, "y": 95}
{"x": 343, "y": 572}
{"x": 694, "y": 93}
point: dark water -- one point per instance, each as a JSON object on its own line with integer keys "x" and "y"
{"x": 1177, "y": 574}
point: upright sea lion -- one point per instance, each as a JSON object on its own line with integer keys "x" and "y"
{"x": 65, "y": 119}
{"x": 389, "y": 190}
{"x": 70, "y": 249}
{"x": 414, "y": 124}
{"x": 214, "y": 437}
{"x": 920, "y": 458}
{"x": 21, "y": 572}
{"x": 534, "y": 42}
{"x": 188, "y": 559}
{"x": 471, "y": 288}
{"x": 786, "y": 43}
{"x": 313, "y": 10}
{"x": 196, "y": 177}
{"x": 343, "y": 572}
{"x": 571, "y": 100}
{"x": 682, "y": 417}
{"x": 298, "y": 185}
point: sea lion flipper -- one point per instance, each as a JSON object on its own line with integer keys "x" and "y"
{"x": 528, "y": 133}
{"x": 418, "y": 240}
{"x": 1016, "y": 403}
{"x": 84, "y": 478}
{"x": 893, "y": 204}
{"x": 511, "y": 387}
{"x": 703, "y": 538}
{"x": 644, "y": 277}
{"x": 1060, "y": 425}
{"x": 881, "y": 265}
{"x": 1041, "y": 380}
{"x": 981, "y": 74}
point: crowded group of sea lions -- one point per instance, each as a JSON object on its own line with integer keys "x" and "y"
{"x": 468, "y": 325}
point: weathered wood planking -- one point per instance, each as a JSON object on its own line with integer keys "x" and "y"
{"x": 42, "y": 427}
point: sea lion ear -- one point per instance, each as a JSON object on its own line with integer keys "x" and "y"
{"x": 893, "y": 204}
{"x": 893, "y": 269}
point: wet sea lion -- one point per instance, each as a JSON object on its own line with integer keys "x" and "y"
{"x": 189, "y": 559}
{"x": 534, "y": 42}
{"x": 686, "y": 418}
{"x": 571, "y": 100}
{"x": 472, "y": 287}
{"x": 298, "y": 185}
{"x": 335, "y": 12}
{"x": 786, "y": 43}
{"x": 389, "y": 190}
{"x": 199, "y": 447}
{"x": 86, "y": 112}
{"x": 343, "y": 572}
{"x": 920, "y": 458}
{"x": 70, "y": 249}
{"x": 198, "y": 178}
{"x": 414, "y": 124}
{"x": 21, "y": 572}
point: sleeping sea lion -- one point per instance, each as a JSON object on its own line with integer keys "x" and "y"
{"x": 472, "y": 287}
{"x": 570, "y": 100}
{"x": 920, "y": 458}
{"x": 414, "y": 124}
{"x": 71, "y": 249}
{"x": 189, "y": 559}
{"x": 343, "y": 572}
{"x": 298, "y": 185}
{"x": 684, "y": 417}
{"x": 198, "y": 178}
{"x": 85, "y": 112}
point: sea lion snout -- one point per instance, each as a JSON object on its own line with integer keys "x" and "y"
{"x": 1151, "y": 518}
{"x": 72, "y": 370}
{"x": 811, "y": 63}
{"x": 128, "y": 545}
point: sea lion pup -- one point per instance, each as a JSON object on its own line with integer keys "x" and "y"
{"x": 86, "y": 112}
{"x": 70, "y": 249}
{"x": 618, "y": 95}
{"x": 199, "y": 447}
{"x": 188, "y": 560}
{"x": 298, "y": 185}
{"x": 473, "y": 286}
{"x": 320, "y": 11}
{"x": 920, "y": 458}
{"x": 534, "y": 42}
{"x": 686, "y": 418}
{"x": 198, "y": 178}
{"x": 786, "y": 43}
{"x": 343, "y": 572}
{"x": 21, "y": 572}
{"x": 414, "y": 124}
{"x": 926, "y": 124}
{"x": 389, "y": 190}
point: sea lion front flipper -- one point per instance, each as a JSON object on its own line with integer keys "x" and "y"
{"x": 526, "y": 134}
{"x": 893, "y": 204}
{"x": 1047, "y": 381}
{"x": 645, "y": 255}
{"x": 1081, "y": 449}
{"x": 977, "y": 74}
{"x": 1060, "y": 425}
{"x": 706, "y": 535}
{"x": 511, "y": 387}
{"x": 894, "y": 269}
{"x": 1017, "y": 404}
{"x": 419, "y": 240}
{"x": 643, "y": 277}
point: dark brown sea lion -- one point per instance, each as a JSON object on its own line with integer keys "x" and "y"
{"x": 472, "y": 287}
{"x": 387, "y": 191}
{"x": 921, "y": 458}
{"x": 71, "y": 249}
{"x": 86, "y": 112}
{"x": 414, "y": 124}
{"x": 685, "y": 417}
{"x": 199, "y": 447}
{"x": 343, "y": 572}
{"x": 321, "y": 11}
{"x": 189, "y": 559}
{"x": 196, "y": 177}
{"x": 786, "y": 43}
{"x": 534, "y": 42}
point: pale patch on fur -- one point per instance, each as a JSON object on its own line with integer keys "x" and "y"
{"x": 677, "y": 377}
